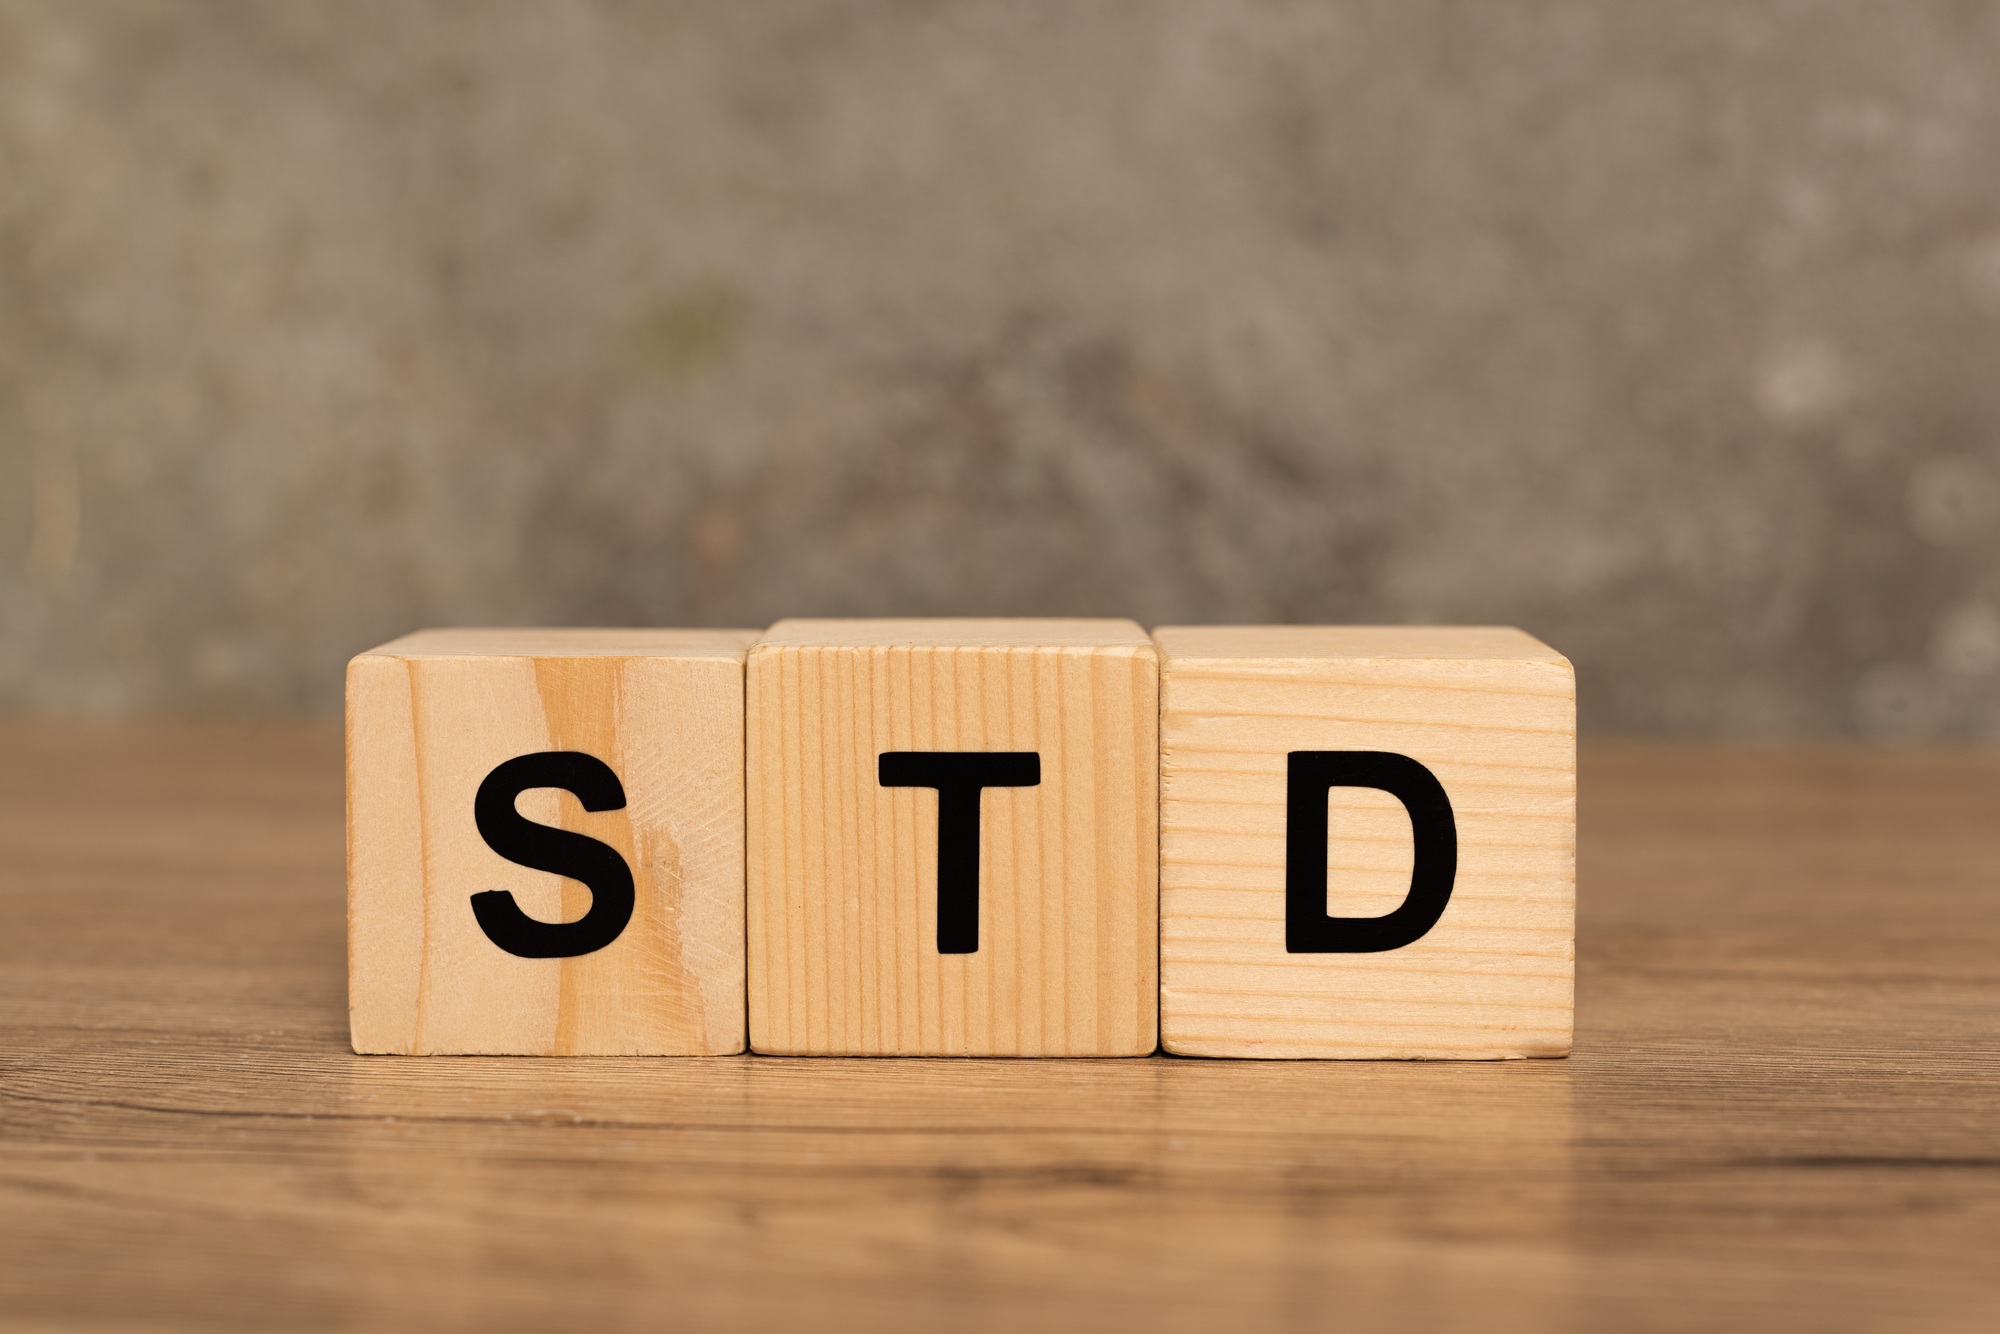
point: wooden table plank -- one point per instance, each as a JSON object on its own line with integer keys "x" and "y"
{"x": 1782, "y": 1109}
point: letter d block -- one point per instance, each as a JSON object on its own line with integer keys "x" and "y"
{"x": 954, "y": 838}
{"x": 1367, "y": 842}
{"x": 545, "y": 843}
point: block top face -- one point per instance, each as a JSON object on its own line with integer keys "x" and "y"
{"x": 568, "y": 642}
{"x": 959, "y": 632}
{"x": 1181, "y": 643}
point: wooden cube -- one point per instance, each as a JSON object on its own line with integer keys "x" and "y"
{"x": 1367, "y": 842}
{"x": 545, "y": 842}
{"x": 953, "y": 844}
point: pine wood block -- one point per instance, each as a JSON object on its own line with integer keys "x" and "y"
{"x": 1258, "y": 727}
{"x": 438, "y": 725}
{"x": 851, "y": 857}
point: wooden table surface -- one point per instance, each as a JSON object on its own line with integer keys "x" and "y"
{"x": 1783, "y": 1111}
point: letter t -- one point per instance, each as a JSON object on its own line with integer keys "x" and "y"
{"x": 959, "y": 777}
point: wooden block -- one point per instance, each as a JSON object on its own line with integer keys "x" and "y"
{"x": 873, "y": 746}
{"x": 1443, "y": 761}
{"x": 459, "y": 746}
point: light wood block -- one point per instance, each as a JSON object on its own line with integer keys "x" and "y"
{"x": 844, "y": 872}
{"x": 1491, "y": 714}
{"x": 430, "y": 718}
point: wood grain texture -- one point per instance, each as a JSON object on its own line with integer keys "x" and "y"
{"x": 843, "y": 871}
{"x": 428, "y": 717}
{"x": 1779, "y": 1115}
{"x": 1491, "y": 712}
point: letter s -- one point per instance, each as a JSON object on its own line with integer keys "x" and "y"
{"x": 557, "y": 851}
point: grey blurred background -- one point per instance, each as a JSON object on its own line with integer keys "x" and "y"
{"x": 1669, "y": 332}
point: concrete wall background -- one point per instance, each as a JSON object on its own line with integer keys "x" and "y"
{"x": 1670, "y": 332}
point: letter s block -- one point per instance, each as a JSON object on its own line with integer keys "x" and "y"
{"x": 1368, "y": 842}
{"x": 545, "y": 843}
{"x": 953, "y": 838}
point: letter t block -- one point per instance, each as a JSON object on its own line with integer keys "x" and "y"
{"x": 1368, "y": 842}
{"x": 953, "y": 838}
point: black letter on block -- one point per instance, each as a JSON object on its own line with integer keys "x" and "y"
{"x": 558, "y": 851}
{"x": 1309, "y": 774}
{"x": 958, "y": 777}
